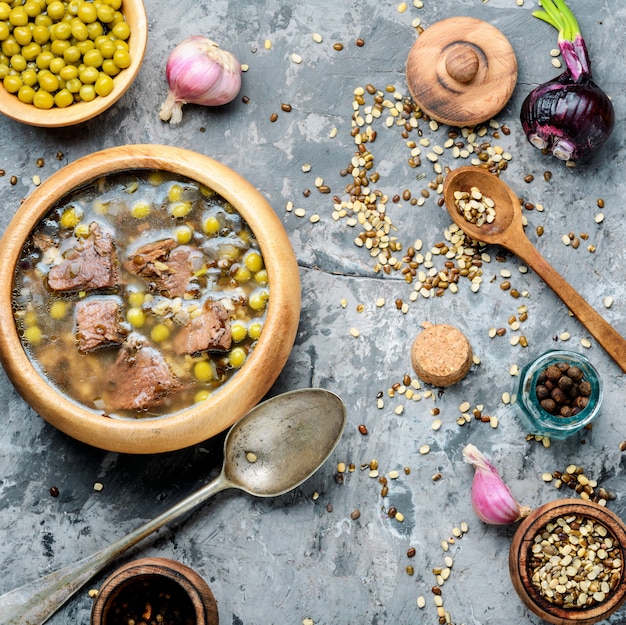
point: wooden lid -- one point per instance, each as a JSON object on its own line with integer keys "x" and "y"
{"x": 461, "y": 71}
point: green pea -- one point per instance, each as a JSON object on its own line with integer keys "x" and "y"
{"x": 23, "y": 35}
{"x": 85, "y": 46}
{"x": 72, "y": 54}
{"x": 237, "y": 357}
{"x": 73, "y": 85}
{"x": 68, "y": 72}
{"x": 43, "y": 60}
{"x": 110, "y": 68}
{"x": 12, "y": 83}
{"x": 18, "y": 16}
{"x": 56, "y": 65}
{"x": 136, "y": 317}
{"x": 104, "y": 85}
{"x": 121, "y": 30}
{"x": 107, "y": 48}
{"x": 32, "y": 8}
{"x": 5, "y": 70}
{"x": 121, "y": 58}
{"x": 159, "y": 333}
{"x": 26, "y": 94}
{"x": 95, "y": 29}
{"x": 41, "y": 34}
{"x": 79, "y": 30}
{"x": 63, "y": 98}
{"x": 48, "y": 81}
{"x": 88, "y": 75}
{"x": 106, "y": 14}
{"x": 29, "y": 77}
{"x": 87, "y": 93}
{"x": 43, "y": 100}
{"x": 5, "y": 11}
{"x": 10, "y": 47}
{"x": 93, "y": 58}
{"x": 59, "y": 46}
{"x": 115, "y": 4}
{"x": 31, "y": 51}
{"x": 18, "y": 63}
{"x": 5, "y": 31}
{"x": 203, "y": 371}
{"x": 87, "y": 13}
{"x": 43, "y": 20}
{"x": 56, "y": 10}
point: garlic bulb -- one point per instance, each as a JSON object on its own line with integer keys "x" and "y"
{"x": 492, "y": 499}
{"x": 198, "y": 71}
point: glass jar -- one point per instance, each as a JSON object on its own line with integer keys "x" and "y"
{"x": 539, "y": 421}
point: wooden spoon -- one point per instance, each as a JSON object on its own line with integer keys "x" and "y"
{"x": 507, "y": 230}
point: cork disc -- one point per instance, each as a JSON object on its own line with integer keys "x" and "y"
{"x": 441, "y": 355}
{"x": 461, "y": 71}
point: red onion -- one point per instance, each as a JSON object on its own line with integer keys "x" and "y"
{"x": 198, "y": 71}
{"x": 569, "y": 116}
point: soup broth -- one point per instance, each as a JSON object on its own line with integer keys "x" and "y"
{"x": 140, "y": 294}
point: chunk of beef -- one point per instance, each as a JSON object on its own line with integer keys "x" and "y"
{"x": 168, "y": 268}
{"x": 209, "y": 331}
{"x": 90, "y": 264}
{"x": 140, "y": 378}
{"x": 98, "y": 324}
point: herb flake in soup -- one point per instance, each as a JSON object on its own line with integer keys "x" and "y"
{"x": 140, "y": 294}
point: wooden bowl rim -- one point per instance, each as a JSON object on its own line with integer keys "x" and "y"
{"x": 227, "y": 404}
{"x": 191, "y": 582}
{"x": 523, "y": 540}
{"x": 135, "y": 13}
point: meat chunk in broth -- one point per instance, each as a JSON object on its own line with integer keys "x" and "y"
{"x": 210, "y": 331}
{"x": 98, "y": 324}
{"x": 90, "y": 264}
{"x": 167, "y": 267}
{"x": 140, "y": 377}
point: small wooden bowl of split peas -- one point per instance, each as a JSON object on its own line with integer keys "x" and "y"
{"x": 567, "y": 562}
{"x": 63, "y": 62}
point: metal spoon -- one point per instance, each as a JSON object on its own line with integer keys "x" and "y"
{"x": 273, "y": 449}
{"x": 507, "y": 230}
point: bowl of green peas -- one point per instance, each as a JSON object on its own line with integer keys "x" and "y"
{"x": 63, "y": 62}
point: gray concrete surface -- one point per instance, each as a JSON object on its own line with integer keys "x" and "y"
{"x": 301, "y": 556}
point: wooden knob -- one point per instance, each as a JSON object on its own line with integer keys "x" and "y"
{"x": 462, "y": 63}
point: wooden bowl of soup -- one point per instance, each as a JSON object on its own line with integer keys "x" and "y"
{"x": 149, "y": 298}
{"x": 67, "y": 62}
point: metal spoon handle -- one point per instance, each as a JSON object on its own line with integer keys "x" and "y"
{"x": 613, "y": 343}
{"x": 35, "y": 602}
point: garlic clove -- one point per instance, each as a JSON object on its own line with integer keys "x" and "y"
{"x": 492, "y": 499}
{"x": 198, "y": 71}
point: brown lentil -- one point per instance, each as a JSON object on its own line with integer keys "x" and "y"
{"x": 363, "y": 429}
{"x": 273, "y": 117}
{"x": 355, "y": 514}
{"x": 338, "y": 46}
{"x": 360, "y": 42}
{"x": 13, "y": 180}
{"x": 54, "y": 491}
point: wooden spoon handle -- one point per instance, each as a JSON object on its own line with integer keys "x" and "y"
{"x": 613, "y": 343}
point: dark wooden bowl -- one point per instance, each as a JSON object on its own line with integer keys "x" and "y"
{"x": 519, "y": 556}
{"x": 132, "y": 576}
